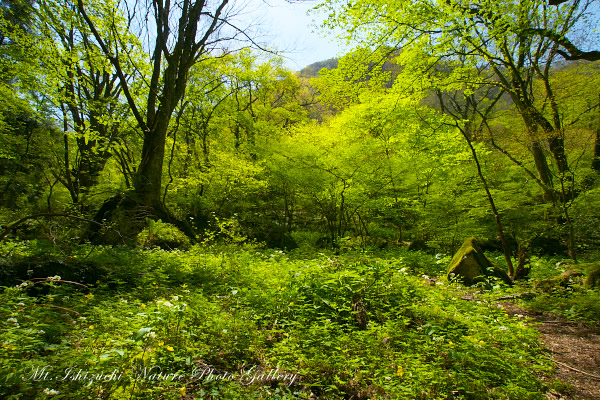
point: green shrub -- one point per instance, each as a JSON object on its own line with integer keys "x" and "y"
{"x": 163, "y": 235}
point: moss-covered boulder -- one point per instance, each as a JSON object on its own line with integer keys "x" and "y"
{"x": 470, "y": 265}
{"x": 593, "y": 279}
{"x": 163, "y": 235}
{"x": 564, "y": 280}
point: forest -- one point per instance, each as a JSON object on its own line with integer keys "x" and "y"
{"x": 183, "y": 217}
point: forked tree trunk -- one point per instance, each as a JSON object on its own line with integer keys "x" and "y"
{"x": 176, "y": 49}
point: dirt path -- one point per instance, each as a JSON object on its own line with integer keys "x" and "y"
{"x": 576, "y": 350}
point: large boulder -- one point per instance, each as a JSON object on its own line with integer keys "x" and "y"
{"x": 470, "y": 265}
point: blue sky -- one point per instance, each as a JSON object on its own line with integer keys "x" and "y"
{"x": 286, "y": 26}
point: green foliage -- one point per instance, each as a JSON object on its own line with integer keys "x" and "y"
{"x": 576, "y": 305}
{"x": 370, "y": 154}
{"x": 336, "y": 325}
{"x": 585, "y": 217}
{"x": 565, "y": 296}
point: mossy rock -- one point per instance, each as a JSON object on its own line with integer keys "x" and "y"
{"x": 500, "y": 274}
{"x": 470, "y": 265}
{"x": 564, "y": 280}
{"x": 163, "y": 235}
{"x": 593, "y": 279}
{"x": 592, "y": 273}
{"x": 119, "y": 220}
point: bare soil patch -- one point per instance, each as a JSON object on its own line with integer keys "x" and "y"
{"x": 574, "y": 347}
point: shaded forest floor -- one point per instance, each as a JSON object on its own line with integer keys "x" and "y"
{"x": 574, "y": 347}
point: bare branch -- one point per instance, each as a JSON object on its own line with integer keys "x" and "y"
{"x": 12, "y": 226}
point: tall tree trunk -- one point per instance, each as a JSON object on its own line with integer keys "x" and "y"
{"x": 541, "y": 163}
{"x": 505, "y": 247}
{"x": 557, "y": 147}
{"x": 596, "y": 160}
{"x": 148, "y": 180}
{"x": 531, "y": 120}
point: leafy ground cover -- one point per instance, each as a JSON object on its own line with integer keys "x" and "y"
{"x": 241, "y": 322}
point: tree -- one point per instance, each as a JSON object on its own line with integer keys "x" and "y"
{"x": 497, "y": 35}
{"x": 468, "y": 110}
{"x": 84, "y": 87}
{"x": 216, "y": 140}
{"x": 184, "y": 33}
{"x": 570, "y": 51}
{"x": 26, "y": 127}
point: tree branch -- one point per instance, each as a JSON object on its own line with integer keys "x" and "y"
{"x": 572, "y": 52}
{"x": 115, "y": 62}
{"x": 12, "y": 226}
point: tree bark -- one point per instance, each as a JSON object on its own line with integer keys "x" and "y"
{"x": 596, "y": 161}
{"x": 148, "y": 180}
{"x": 541, "y": 163}
{"x": 528, "y": 114}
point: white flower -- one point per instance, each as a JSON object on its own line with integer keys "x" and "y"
{"x": 51, "y": 392}
{"x": 175, "y": 298}
{"x": 167, "y": 304}
{"x": 13, "y": 320}
{"x": 54, "y": 278}
{"x": 503, "y": 328}
{"x": 152, "y": 335}
{"x": 22, "y": 285}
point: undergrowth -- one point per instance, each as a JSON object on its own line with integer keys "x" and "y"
{"x": 238, "y": 323}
